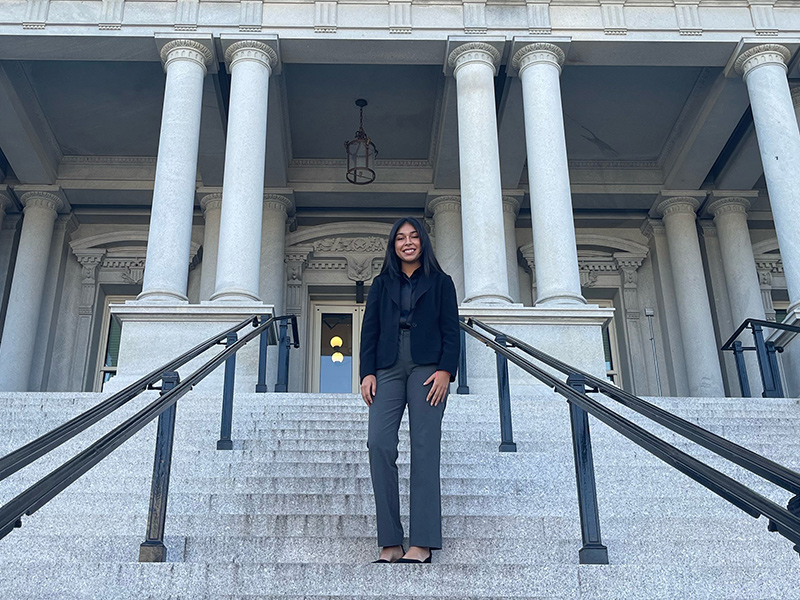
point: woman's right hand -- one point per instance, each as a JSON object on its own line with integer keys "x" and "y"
{"x": 368, "y": 385}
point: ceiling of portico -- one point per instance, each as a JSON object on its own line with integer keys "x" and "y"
{"x": 614, "y": 115}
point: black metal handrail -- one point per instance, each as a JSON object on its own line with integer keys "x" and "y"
{"x": 786, "y": 521}
{"x": 37, "y": 495}
{"x": 765, "y": 352}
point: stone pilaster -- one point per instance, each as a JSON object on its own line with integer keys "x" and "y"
{"x": 485, "y": 280}
{"x": 628, "y": 267}
{"x": 168, "y": 244}
{"x": 238, "y": 270}
{"x": 510, "y": 212}
{"x": 27, "y": 289}
{"x": 764, "y": 71}
{"x": 212, "y": 209}
{"x": 446, "y": 211}
{"x": 694, "y": 313}
{"x": 277, "y": 209}
{"x": 558, "y": 277}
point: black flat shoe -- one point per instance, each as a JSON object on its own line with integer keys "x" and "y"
{"x": 418, "y": 562}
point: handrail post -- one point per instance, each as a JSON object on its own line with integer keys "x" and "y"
{"x": 776, "y": 373}
{"x": 593, "y": 551}
{"x": 741, "y": 369}
{"x": 153, "y": 548}
{"x": 282, "y": 383}
{"x": 768, "y": 377}
{"x": 224, "y": 442}
{"x": 261, "y": 385}
{"x": 504, "y": 394}
{"x": 463, "y": 388}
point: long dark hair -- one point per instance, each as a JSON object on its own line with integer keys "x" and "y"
{"x": 391, "y": 262}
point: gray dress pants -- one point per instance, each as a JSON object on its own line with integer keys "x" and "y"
{"x": 402, "y": 384}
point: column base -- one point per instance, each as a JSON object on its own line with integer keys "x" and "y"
{"x": 571, "y": 334}
{"x": 499, "y": 300}
{"x": 235, "y": 297}
{"x": 161, "y": 297}
{"x": 153, "y": 334}
{"x": 561, "y": 300}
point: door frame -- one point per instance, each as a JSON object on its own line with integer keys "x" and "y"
{"x": 313, "y": 357}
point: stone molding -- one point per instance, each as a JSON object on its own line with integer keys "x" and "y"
{"x": 474, "y": 52}
{"x": 765, "y": 54}
{"x": 678, "y": 205}
{"x": 796, "y": 96}
{"x": 511, "y": 205}
{"x": 441, "y": 204}
{"x": 732, "y": 204}
{"x": 539, "y": 53}
{"x": 278, "y": 202}
{"x": 687, "y": 13}
{"x": 613, "y": 14}
{"x": 191, "y": 50}
{"x": 43, "y": 200}
{"x": 474, "y": 17}
{"x": 211, "y": 202}
{"x": 111, "y": 15}
{"x": 247, "y": 50}
{"x": 251, "y": 16}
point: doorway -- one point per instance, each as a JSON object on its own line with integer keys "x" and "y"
{"x": 335, "y": 342}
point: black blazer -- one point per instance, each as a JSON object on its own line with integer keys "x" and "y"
{"x": 434, "y": 325}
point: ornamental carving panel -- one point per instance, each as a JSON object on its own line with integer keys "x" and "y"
{"x": 372, "y": 244}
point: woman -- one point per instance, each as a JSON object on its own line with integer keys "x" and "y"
{"x": 409, "y": 355}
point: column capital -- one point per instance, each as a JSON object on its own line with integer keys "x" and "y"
{"x": 278, "y": 202}
{"x": 474, "y": 52}
{"x": 728, "y": 204}
{"x": 190, "y": 50}
{"x": 678, "y": 204}
{"x": 539, "y": 53}
{"x": 765, "y": 54}
{"x": 211, "y": 202}
{"x": 251, "y": 50}
{"x": 511, "y": 205}
{"x": 441, "y": 204}
{"x": 708, "y": 229}
{"x": 43, "y": 199}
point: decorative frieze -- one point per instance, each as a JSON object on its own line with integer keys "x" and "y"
{"x": 475, "y": 17}
{"x": 111, "y": 14}
{"x": 251, "y": 15}
{"x": 763, "y": 16}
{"x": 613, "y": 13}
{"x": 688, "y": 15}
{"x": 399, "y": 17}
{"x": 186, "y": 12}
{"x": 371, "y": 244}
{"x": 36, "y": 14}
{"x": 538, "y": 17}
{"x": 325, "y": 17}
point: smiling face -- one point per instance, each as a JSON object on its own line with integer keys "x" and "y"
{"x": 408, "y": 248}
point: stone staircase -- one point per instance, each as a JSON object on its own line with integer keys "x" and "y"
{"x": 288, "y": 513}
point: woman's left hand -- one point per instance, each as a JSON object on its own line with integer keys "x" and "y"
{"x": 438, "y": 391}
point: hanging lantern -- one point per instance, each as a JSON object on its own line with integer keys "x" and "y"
{"x": 361, "y": 153}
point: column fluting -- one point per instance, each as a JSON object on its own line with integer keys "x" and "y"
{"x": 694, "y": 312}
{"x": 238, "y": 268}
{"x": 27, "y": 289}
{"x": 510, "y": 212}
{"x": 168, "y": 242}
{"x": 739, "y": 266}
{"x": 553, "y": 227}
{"x": 446, "y": 211}
{"x": 273, "y": 250}
{"x": 764, "y": 71}
{"x": 212, "y": 208}
{"x": 485, "y": 281}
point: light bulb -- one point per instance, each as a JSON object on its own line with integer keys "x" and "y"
{"x": 336, "y": 342}
{"x": 337, "y": 357}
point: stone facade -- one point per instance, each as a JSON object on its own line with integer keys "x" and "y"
{"x": 568, "y": 158}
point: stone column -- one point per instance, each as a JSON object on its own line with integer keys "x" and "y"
{"x": 27, "y": 289}
{"x": 238, "y": 268}
{"x": 212, "y": 207}
{"x": 557, "y": 274}
{"x": 485, "y": 281}
{"x": 694, "y": 313}
{"x": 446, "y": 212}
{"x": 510, "y": 212}
{"x": 167, "y": 267}
{"x": 738, "y": 262}
{"x": 764, "y": 71}
{"x": 273, "y": 250}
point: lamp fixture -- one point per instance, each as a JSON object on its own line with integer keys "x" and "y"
{"x": 336, "y": 342}
{"x": 337, "y": 357}
{"x": 361, "y": 152}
